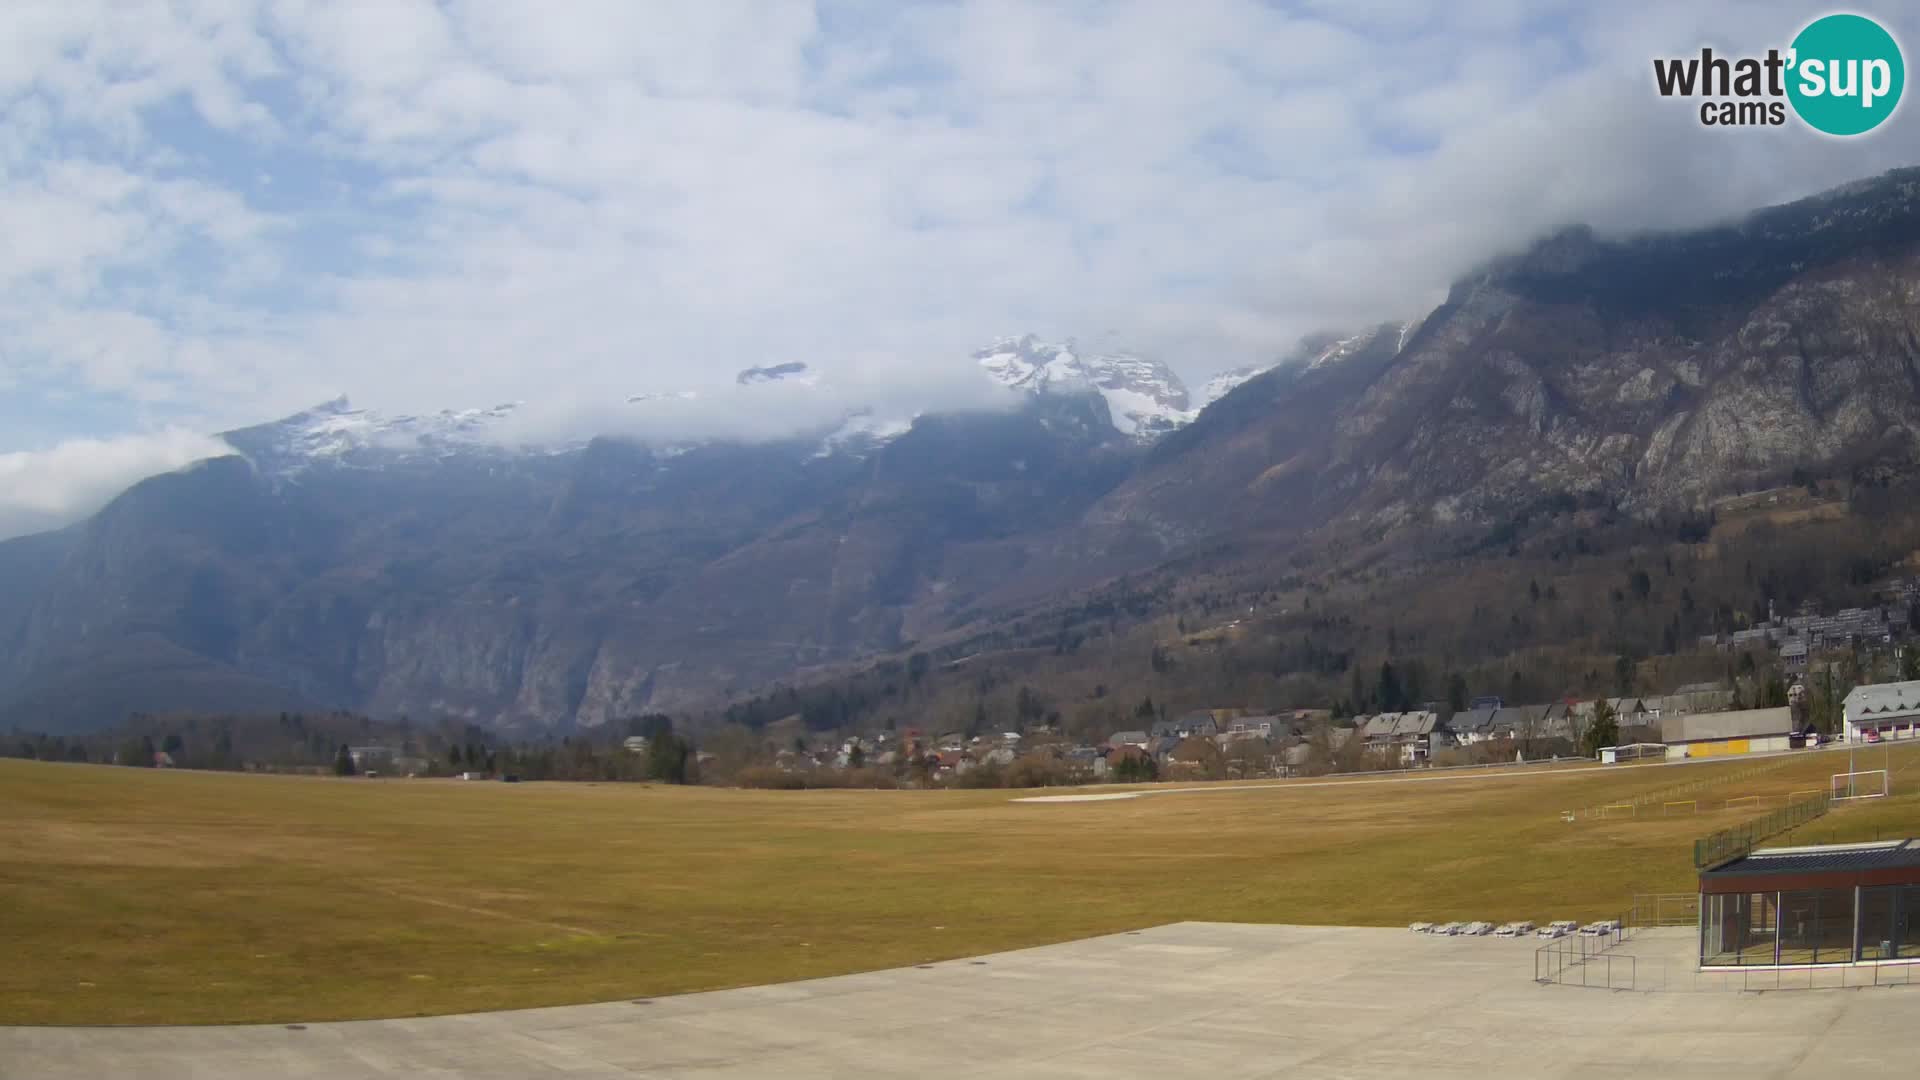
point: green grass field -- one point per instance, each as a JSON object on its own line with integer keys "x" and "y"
{"x": 134, "y": 896}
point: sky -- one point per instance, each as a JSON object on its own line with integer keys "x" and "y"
{"x": 218, "y": 212}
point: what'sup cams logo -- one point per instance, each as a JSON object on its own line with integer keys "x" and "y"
{"x": 1842, "y": 75}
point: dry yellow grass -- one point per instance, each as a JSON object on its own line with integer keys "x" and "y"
{"x": 133, "y": 896}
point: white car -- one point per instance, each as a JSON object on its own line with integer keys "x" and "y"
{"x": 1421, "y": 928}
{"x": 1600, "y": 929}
{"x": 1477, "y": 929}
{"x": 1447, "y": 929}
{"x": 1514, "y": 929}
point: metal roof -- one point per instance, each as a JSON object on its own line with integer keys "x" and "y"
{"x": 1381, "y": 726}
{"x": 1471, "y": 720}
{"x": 1418, "y": 722}
{"x": 1887, "y": 854}
{"x": 1885, "y": 699}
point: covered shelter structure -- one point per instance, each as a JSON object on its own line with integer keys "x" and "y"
{"x": 1802, "y": 906}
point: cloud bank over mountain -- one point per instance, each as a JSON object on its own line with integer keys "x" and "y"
{"x": 48, "y": 488}
{"x": 224, "y": 211}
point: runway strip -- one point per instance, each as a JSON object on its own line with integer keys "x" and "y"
{"x": 1566, "y": 770}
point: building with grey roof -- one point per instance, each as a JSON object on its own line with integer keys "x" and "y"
{"x": 1883, "y": 711}
{"x": 1472, "y": 725}
{"x": 1741, "y": 731}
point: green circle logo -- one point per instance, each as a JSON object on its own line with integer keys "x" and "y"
{"x": 1846, "y": 74}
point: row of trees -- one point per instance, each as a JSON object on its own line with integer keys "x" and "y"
{"x": 321, "y": 743}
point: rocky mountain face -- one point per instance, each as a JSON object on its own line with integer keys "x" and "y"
{"x": 1652, "y": 373}
{"x": 410, "y": 565}
{"x": 551, "y": 589}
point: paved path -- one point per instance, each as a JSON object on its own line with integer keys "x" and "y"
{"x": 1563, "y": 768}
{"x": 1191, "y": 999}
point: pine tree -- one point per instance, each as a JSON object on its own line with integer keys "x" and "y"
{"x": 343, "y": 762}
{"x": 1602, "y": 730}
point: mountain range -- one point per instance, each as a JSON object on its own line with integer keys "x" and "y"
{"x": 422, "y": 565}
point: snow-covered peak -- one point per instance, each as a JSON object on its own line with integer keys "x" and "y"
{"x": 1144, "y": 397}
{"x": 1226, "y": 382}
{"x": 339, "y": 433}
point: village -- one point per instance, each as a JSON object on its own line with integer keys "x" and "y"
{"x": 1693, "y": 721}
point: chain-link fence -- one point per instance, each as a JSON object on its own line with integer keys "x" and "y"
{"x": 1726, "y": 845}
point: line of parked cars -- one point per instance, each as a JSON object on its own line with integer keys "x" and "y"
{"x": 1523, "y": 928}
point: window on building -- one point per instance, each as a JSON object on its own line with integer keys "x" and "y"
{"x": 1878, "y": 907}
{"x": 1739, "y": 928}
{"x": 1816, "y": 926}
{"x": 1906, "y": 929}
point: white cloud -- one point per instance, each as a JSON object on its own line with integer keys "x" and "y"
{"x": 47, "y": 488}
{"x": 482, "y": 201}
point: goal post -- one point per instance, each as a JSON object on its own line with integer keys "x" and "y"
{"x": 1741, "y": 802}
{"x": 1680, "y": 806}
{"x": 1626, "y": 810}
{"x": 1865, "y": 784}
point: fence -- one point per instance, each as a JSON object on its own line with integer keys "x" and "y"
{"x": 1674, "y": 792}
{"x": 1729, "y": 844}
{"x": 1559, "y": 964}
{"x": 1664, "y": 964}
{"x": 1564, "y": 964}
{"x": 1663, "y": 909}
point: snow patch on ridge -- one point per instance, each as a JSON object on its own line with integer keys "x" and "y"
{"x": 1144, "y": 397}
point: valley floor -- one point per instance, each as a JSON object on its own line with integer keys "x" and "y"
{"x": 135, "y": 896}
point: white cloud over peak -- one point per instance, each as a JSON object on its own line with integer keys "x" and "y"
{"x": 221, "y": 211}
{"x": 48, "y": 488}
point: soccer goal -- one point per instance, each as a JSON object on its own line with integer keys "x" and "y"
{"x": 1624, "y": 809}
{"x": 1680, "y": 806}
{"x": 1865, "y": 784}
{"x": 1744, "y": 802}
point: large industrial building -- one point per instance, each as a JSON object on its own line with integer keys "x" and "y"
{"x": 1710, "y": 734}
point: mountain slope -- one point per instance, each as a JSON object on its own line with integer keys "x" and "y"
{"x": 412, "y": 565}
{"x": 1654, "y": 372}
{"x": 558, "y": 588}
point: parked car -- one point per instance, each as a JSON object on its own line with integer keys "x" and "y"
{"x": 1514, "y": 929}
{"x": 1448, "y": 929}
{"x": 1601, "y": 928}
{"x": 1477, "y": 929}
{"x": 1421, "y": 928}
{"x": 1558, "y": 928}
